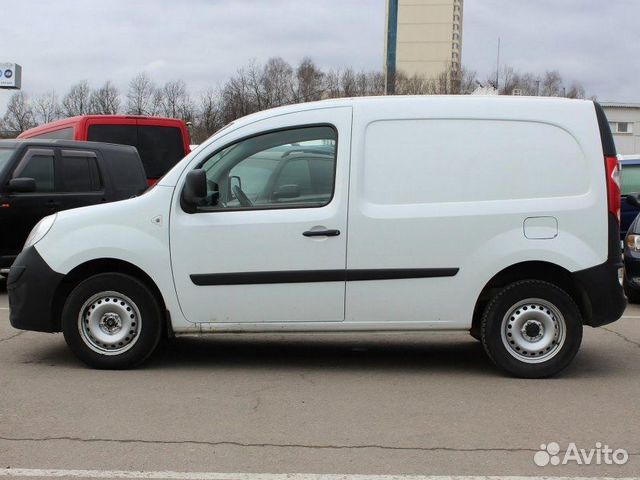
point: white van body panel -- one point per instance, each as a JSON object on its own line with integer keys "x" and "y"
{"x": 135, "y": 231}
{"x": 421, "y": 182}
{"x": 432, "y": 187}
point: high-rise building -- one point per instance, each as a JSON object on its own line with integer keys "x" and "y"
{"x": 424, "y": 37}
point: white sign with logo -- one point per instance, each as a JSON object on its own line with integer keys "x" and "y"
{"x": 10, "y": 75}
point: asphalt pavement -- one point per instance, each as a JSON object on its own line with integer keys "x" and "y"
{"x": 405, "y": 404}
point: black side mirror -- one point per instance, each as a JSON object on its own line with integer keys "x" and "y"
{"x": 287, "y": 192}
{"x": 194, "y": 191}
{"x": 633, "y": 199}
{"x": 22, "y": 185}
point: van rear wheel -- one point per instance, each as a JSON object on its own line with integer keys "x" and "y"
{"x": 112, "y": 321}
{"x": 531, "y": 329}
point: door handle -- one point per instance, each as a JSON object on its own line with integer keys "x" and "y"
{"x": 321, "y": 233}
{"x": 52, "y": 203}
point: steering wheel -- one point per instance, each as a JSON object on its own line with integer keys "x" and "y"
{"x": 242, "y": 197}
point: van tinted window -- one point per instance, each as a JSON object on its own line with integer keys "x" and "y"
{"x": 160, "y": 148}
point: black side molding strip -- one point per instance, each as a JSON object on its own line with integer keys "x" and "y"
{"x": 313, "y": 276}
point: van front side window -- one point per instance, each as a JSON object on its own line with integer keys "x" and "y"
{"x": 285, "y": 169}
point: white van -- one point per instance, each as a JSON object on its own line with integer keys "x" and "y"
{"x": 494, "y": 215}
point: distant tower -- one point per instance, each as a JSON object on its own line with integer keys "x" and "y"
{"x": 423, "y": 37}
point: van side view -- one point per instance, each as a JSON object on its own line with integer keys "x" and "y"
{"x": 161, "y": 142}
{"x": 493, "y": 215}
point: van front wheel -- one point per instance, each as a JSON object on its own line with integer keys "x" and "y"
{"x": 112, "y": 321}
{"x": 531, "y": 329}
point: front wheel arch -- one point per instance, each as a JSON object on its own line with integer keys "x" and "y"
{"x": 103, "y": 265}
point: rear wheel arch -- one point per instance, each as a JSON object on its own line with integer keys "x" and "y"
{"x": 531, "y": 270}
{"x": 95, "y": 267}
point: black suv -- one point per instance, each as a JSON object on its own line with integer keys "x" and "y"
{"x": 41, "y": 177}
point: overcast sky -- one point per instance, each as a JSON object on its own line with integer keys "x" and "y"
{"x": 58, "y": 43}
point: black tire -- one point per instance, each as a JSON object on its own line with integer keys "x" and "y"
{"x": 475, "y": 333}
{"x": 123, "y": 295}
{"x": 546, "y": 304}
{"x": 633, "y": 295}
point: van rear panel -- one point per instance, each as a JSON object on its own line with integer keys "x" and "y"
{"x": 474, "y": 185}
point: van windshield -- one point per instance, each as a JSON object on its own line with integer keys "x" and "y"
{"x": 5, "y": 155}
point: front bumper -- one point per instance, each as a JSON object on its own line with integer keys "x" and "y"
{"x": 31, "y": 286}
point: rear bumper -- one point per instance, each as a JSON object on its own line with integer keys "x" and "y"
{"x": 31, "y": 286}
{"x": 603, "y": 291}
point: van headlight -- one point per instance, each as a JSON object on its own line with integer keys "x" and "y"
{"x": 633, "y": 242}
{"x": 40, "y": 230}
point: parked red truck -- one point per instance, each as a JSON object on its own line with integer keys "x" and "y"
{"x": 161, "y": 142}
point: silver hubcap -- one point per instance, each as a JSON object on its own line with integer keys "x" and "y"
{"x": 109, "y": 323}
{"x": 533, "y": 330}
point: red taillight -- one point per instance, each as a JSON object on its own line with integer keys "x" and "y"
{"x": 613, "y": 185}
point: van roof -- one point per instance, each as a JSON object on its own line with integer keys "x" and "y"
{"x": 393, "y": 102}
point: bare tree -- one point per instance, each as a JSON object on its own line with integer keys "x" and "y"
{"x": 156, "y": 102}
{"x": 105, "y": 100}
{"x": 238, "y": 97}
{"x": 332, "y": 84}
{"x": 141, "y": 96}
{"x": 176, "y": 102}
{"x": 413, "y": 85}
{"x": 576, "y": 90}
{"x": 309, "y": 82}
{"x": 257, "y": 86}
{"x": 46, "y": 108}
{"x": 348, "y": 84}
{"x": 467, "y": 82}
{"x": 277, "y": 82}
{"x": 253, "y": 77}
{"x": 510, "y": 80}
{"x": 552, "y": 84}
{"x": 209, "y": 116}
{"x": 19, "y": 114}
{"x": 77, "y": 100}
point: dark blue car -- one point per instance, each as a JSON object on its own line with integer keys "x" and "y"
{"x": 631, "y": 279}
{"x": 630, "y": 183}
